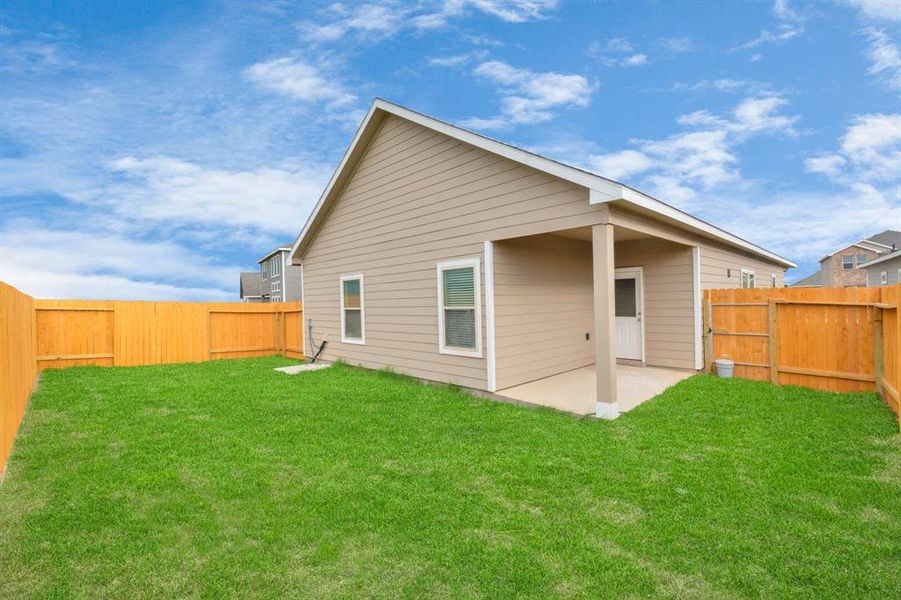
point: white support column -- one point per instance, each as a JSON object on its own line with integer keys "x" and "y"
{"x": 606, "y": 406}
{"x": 489, "y": 317}
{"x": 696, "y": 299}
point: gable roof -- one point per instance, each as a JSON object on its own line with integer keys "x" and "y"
{"x": 600, "y": 188}
{"x": 866, "y": 244}
{"x": 274, "y": 252}
{"x": 809, "y": 281}
{"x": 887, "y": 238}
{"x": 880, "y": 259}
{"x": 250, "y": 285}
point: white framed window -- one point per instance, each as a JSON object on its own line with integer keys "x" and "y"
{"x": 275, "y": 286}
{"x": 460, "y": 308}
{"x": 747, "y": 279}
{"x": 847, "y": 262}
{"x": 883, "y": 278}
{"x": 264, "y": 269}
{"x": 773, "y": 280}
{"x": 861, "y": 258}
{"x": 353, "y": 321}
{"x": 276, "y": 265}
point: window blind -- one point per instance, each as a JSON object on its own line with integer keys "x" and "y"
{"x": 459, "y": 288}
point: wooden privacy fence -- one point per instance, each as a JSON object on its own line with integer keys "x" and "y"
{"x": 18, "y": 368}
{"x": 42, "y": 334}
{"x": 834, "y": 339}
{"x": 129, "y": 333}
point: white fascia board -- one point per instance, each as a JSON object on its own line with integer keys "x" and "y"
{"x": 273, "y": 253}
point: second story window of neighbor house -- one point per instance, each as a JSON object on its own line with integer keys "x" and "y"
{"x": 847, "y": 262}
{"x": 276, "y": 265}
{"x": 861, "y": 258}
{"x": 265, "y": 268}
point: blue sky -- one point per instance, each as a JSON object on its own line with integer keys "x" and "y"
{"x": 153, "y": 151}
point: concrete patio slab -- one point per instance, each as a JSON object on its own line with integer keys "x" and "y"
{"x": 295, "y": 369}
{"x": 571, "y": 391}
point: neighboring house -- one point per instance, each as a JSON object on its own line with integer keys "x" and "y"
{"x": 250, "y": 288}
{"x": 452, "y": 257}
{"x": 280, "y": 281}
{"x": 884, "y": 270}
{"x": 841, "y": 268}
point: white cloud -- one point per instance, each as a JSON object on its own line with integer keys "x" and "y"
{"x": 530, "y": 97}
{"x": 870, "y": 152}
{"x": 760, "y": 114}
{"x": 789, "y": 25}
{"x": 619, "y": 165}
{"x": 511, "y": 11}
{"x": 676, "y": 45}
{"x": 678, "y": 167}
{"x": 618, "y": 45}
{"x": 723, "y": 85}
{"x": 880, "y": 10}
{"x": 752, "y": 115}
{"x": 53, "y": 263}
{"x": 885, "y": 58}
{"x": 481, "y": 40}
{"x": 378, "y": 20}
{"x": 635, "y": 60}
{"x": 164, "y": 189}
{"x": 617, "y": 52}
{"x": 827, "y": 164}
{"x": 456, "y": 60}
{"x": 807, "y": 225}
{"x": 298, "y": 79}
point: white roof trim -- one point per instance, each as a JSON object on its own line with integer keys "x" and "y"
{"x": 879, "y": 259}
{"x": 856, "y": 244}
{"x": 274, "y": 252}
{"x": 600, "y": 189}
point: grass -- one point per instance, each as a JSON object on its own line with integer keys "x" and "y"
{"x": 229, "y": 479}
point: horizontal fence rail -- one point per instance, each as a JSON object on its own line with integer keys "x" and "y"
{"x": 834, "y": 339}
{"x": 46, "y": 334}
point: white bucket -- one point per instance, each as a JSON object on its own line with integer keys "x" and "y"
{"x": 724, "y": 367}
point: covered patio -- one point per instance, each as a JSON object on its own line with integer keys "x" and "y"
{"x": 596, "y": 319}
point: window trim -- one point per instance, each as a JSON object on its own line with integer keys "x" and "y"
{"x": 883, "y": 278}
{"x": 344, "y": 339}
{"x": 741, "y": 281}
{"x": 475, "y": 263}
{"x": 850, "y": 264}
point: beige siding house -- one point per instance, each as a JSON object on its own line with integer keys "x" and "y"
{"x": 455, "y": 258}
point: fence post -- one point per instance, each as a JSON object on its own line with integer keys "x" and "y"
{"x": 878, "y": 354}
{"x": 773, "y": 341}
{"x": 707, "y": 312}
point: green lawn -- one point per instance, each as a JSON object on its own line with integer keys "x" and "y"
{"x": 229, "y": 479}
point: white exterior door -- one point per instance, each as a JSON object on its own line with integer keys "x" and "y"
{"x": 629, "y": 326}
